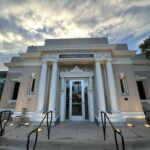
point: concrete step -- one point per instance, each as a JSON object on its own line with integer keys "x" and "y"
{"x": 11, "y": 144}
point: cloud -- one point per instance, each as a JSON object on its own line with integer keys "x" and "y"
{"x": 30, "y": 22}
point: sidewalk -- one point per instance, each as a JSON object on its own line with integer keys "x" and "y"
{"x": 80, "y": 133}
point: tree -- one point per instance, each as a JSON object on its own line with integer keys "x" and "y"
{"x": 145, "y": 47}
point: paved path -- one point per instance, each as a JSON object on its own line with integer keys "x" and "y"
{"x": 79, "y": 133}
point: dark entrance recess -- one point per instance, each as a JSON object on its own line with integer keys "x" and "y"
{"x": 15, "y": 91}
{"x": 141, "y": 90}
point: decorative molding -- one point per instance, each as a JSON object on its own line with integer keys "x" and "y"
{"x": 138, "y": 78}
{"x": 141, "y": 68}
{"x": 76, "y": 72}
{"x": 122, "y": 75}
{"x": 16, "y": 79}
{"x": 11, "y": 101}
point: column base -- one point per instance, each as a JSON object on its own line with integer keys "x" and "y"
{"x": 117, "y": 119}
{"x": 134, "y": 117}
{"x": 38, "y": 117}
{"x": 19, "y": 118}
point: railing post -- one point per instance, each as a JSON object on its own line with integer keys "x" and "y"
{"x": 35, "y": 139}
{"x": 2, "y": 127}
{"x": 36, "y": 130}
{"x": 103, "y": 118}
{"x": 116, "y": 140}
{"x": 1, "y": 124}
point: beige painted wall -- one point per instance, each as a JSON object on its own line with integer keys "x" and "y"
{"x": 8, "y": 91}
{"x": 133, "y": 103}
{"x": 24, "y": 99}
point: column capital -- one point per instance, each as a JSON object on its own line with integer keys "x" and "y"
{"x": 50, "y": 60}
{"x": 103, "y": 60}
{"x": 109, "y": 60}
{"x": 43, "y": 62}
{"x": 98, "y": 59}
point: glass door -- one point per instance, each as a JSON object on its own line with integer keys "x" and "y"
{"x": 77, "y": 106}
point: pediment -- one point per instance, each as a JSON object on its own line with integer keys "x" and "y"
{"x": 76, "y": 72}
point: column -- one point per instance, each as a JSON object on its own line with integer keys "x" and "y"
{"x": 90, "y": 101}
{"x": 112, "y": 87}
{"x": 100, "y": 88}
{"x": 53, "y": 87}
{"x": 42, "y": 87}
{"x": 63, "y": 101}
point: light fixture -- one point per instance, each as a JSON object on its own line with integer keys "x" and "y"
{"x": 26, "y": 124}
{"x": 11, "y": 124}
{"x": 118, "y": 130}
{"x": 40, "y": 129}
{"x": 147, "y": 125}
{"x": 130, "y": 125}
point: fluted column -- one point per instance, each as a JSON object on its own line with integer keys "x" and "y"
{"x": 53, "y": 87}
{"x": 63, "y": 101}
{"x": 90, "y": 100}
{"x": 42, "y": 87}
{"x": 112, "y": 87}
{"x": 100, "y": 88}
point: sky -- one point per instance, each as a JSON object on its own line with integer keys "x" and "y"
{"x": 30, "y": 22}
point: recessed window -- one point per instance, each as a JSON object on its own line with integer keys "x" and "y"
{"x": 123, "y": 84}
{"x": 31, "y": 85}
{"x": 141, "y": 90}
{"x": 15, "y": 90}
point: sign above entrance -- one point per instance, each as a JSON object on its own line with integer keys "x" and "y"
{"x": 76, "y": 56}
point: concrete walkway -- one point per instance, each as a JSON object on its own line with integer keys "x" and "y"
{"x": 79, "y": 133}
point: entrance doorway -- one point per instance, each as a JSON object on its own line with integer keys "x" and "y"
{"x": 77, "y": 100}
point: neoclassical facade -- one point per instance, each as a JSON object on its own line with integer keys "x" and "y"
{"x": 76, "y": 79}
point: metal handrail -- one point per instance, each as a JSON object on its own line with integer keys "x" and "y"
{"x": 147, "y": 117}
{"x": 48, "y": 124}
{"x": 2, "y": 127}
{"x": 116, "y": 131}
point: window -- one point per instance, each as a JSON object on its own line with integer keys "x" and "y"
{"x": 141, "y": 89}
{"x": 123, "y": 84}
{"x": 15, "y": 90}
{"x": 31, "y": 85}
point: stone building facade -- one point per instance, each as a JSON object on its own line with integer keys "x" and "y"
{"x": 77, "y": 79}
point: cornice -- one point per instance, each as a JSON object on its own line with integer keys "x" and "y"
{"x": 140, "y": 62}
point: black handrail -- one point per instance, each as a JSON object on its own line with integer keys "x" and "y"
{"x": 36, "y": 130}
{"x": 116, "y": 131}
{"x": 147, "y": 117}
{"x": 3, "y": 125}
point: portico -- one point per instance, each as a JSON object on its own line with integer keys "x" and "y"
{"x": 73, "y": 83}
